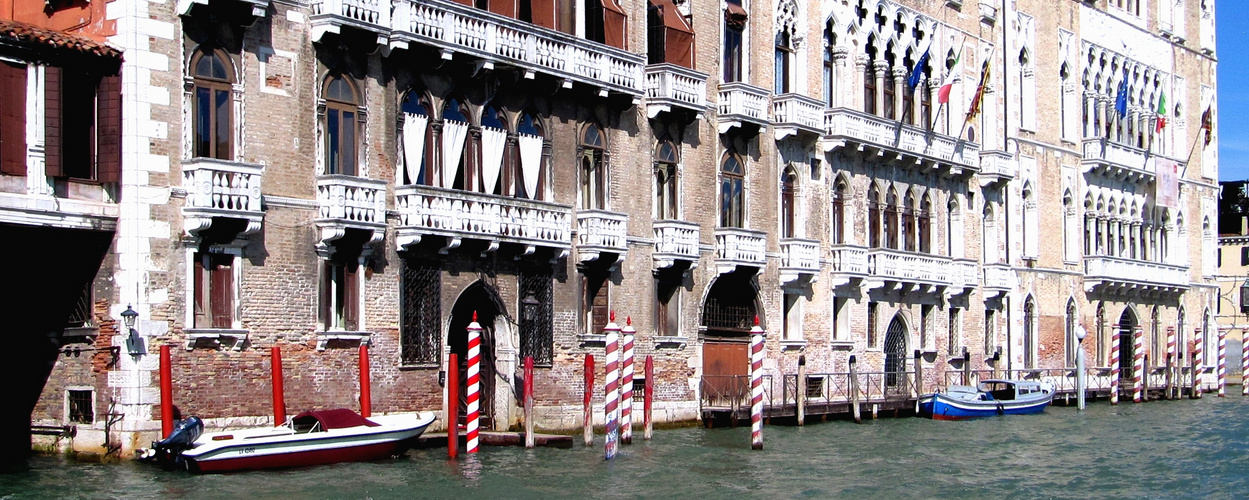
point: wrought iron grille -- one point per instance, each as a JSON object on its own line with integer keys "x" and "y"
{"x": 80, "y": 315}
{"x": 536, "y": 337}
{"x": 421, "y": 330}
{"x": 895, "y": 353}
{"x": 733, "y": 317}
{"x": 80, "y": 407}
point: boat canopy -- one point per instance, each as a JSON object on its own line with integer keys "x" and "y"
{"x": 338, "y": 418}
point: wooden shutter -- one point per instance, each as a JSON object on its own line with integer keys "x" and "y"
{"x": 545, "y": 13}
{"x": 351, "y": 297}
{"x": 12, "y": 119}
{"x": 597, "y": 301}
{"x": 198, "y": 287}
{"x": 52, "y": 121}
{"x": 222, "y": 290}
{"x": 327, "y": 285}
{"x": 108, "y": 130}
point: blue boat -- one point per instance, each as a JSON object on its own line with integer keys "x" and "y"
{"x": 991, "y": 397}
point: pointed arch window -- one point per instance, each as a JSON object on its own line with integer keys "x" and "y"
{"x": 789, "y": 209}
{"x": 593, "y": 170}
{"x": 732, "y": 195}
{"x": 891, "y": 220}
{"x": 666, "y": 186}
{"x": 1029, "y": 333}
{"x": 874, "y": 216}
{"x": 924, "y": 224}
{"x": 838, "y": 215}
{"x": 830, "y": 65}
{"x": 493, "y": 146}
{"x": 415, "y": 137}
{"x": 341, "y": 126}
{"x": 454, "y": 142}
{"x": 212, "y": 112}
{"x": 908, "y": 222}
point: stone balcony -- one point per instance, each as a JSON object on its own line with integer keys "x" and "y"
{"x": 600, "y": 233}
{"x": 220, "y": 189}
{"x": 794, "y": 114}
{"x": 331, "y": 16}
{"x": 997, "y": 166}
{"x": 998, "y": 279}
{"x": 800, "y": 259}
{"x": 897, "y": 142}
{"x": 847, "y": 262}
{"x": 1123, "y": 275}
{"x": 493, "y": 39}
{"x": 458, "y": 215}
{"x": 669, "y": 87}
{"x": 349, "y": 202}
{"x": 740, "y": 103}
{"x": 1117, "y": 161}
{"x": 737, "y": 247}
{"x": 964, "y": 276}
{"x": 675, "y": 241}
{"x": 897, "y": 269}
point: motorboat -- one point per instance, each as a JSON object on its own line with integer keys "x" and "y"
{"x": 309, "y": 438}
{"x": 986, "y": 399}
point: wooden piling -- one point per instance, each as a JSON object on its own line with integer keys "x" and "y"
{"x": 453, "y": 405}
{"x": 1221, "y": 374}
{"x": 966, "y": 367}
{"x": 919, "y": 377}
{"x": 649, "y": 396}
{"x": 588, "y": 400}
{"x": 529, "y": 441}
{"x": 1166, "y": 392}
{"x": 756, "y": 386}
{"x": 626, "y": 381}
{"x": 611, "y": 389}
{"x": 801, "y": 390}
{"x": 279, "y": 398}
{"x": 854, "y": 391}
{"x": 166, "y": 393}
{"x": 1195, "y": 393}
{"x": 366, "y": 399}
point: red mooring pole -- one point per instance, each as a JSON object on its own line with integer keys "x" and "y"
{"x": 453, "y": 405}
{"x": 166, "y": 393}
{"x": 529, "y": 439}
{"x": 649, "y": 393}
{"x": 279, "y": 400}
{"x": 588, "y": 401}
{"x": 366, "y": 400}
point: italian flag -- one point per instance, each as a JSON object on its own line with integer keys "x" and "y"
{"x": 952, "y": 76}
{"x": 1162, "y": 112}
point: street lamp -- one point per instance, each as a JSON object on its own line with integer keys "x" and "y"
{"x": 134, "y": 343}
{"x": 529, "y": 308}
{"x": 1080, "y": 334}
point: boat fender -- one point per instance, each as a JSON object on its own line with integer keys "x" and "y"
{"x": 1000, "y": 409}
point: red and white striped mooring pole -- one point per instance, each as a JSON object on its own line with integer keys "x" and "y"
{"x": 1222, "y": 362}
{"x": 1114, "y": 365}
{"x": 1138, "y": 363}
{"x": 473, "y": 385}
{"x": 756, "y": 386}
{"x": 1199, "y": 363}
{"x": 1244, "y": 364}
{"x": 626, "y": 381}
{"x": 611, "y": 388}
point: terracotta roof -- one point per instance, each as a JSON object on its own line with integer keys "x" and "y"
{"x": 28, "y": 34}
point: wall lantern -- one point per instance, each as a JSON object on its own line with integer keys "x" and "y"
{"x": 529, "y": 308}
{"x": 134, "y": 342}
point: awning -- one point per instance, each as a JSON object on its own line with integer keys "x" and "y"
{"x": 736, "y": 16}
{"x": 615, "y": 25}
{"x": 678, "y": 36}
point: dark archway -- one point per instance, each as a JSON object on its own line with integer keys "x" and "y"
{"x": 480, "y": 299}
{"x": 895, "y": 352}
{"x": 1127, "y": 325}
{"x": 728, "y": 314}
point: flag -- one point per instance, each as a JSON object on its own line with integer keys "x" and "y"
{"x": 952, "y": 76}
{"x": 918, "y": 71}
{"x": 1121, "y": 98}
{"x": 1162, "y": 112}
{"x": 974, "y": 111}
{"x": 1207, "y": 124}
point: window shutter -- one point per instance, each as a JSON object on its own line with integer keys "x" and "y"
{"x": 52, "y": 121}
{"x": 351, "y": 297}
{"x": 108, "y": 106}
{"x": 197, "y": 280}
{"x": 327, "y": 284}
{"x": 12, "y": 119}
{"x": 222, "y": 290}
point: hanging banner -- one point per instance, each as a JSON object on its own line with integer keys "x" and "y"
{"x": 1166, "y": 183}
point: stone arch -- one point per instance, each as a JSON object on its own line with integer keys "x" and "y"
{"x": 897, "y": 337}
{"x": 1129, "y": 321}
{"x": 481, "y": 300}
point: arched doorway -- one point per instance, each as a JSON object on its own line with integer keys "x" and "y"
{"x": 482, "y": 300}
{"x": 895, "y": 352}
{"x": 728, "y": 314}
{"x": 1127, "y": 325}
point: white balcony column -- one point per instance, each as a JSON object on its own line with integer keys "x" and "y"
{"x": 899, "y": 89}
{"x": 880, "y": 67}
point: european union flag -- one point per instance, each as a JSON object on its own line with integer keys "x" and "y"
{"x": 918, "y": 71}
{"x": 1121, "y": 99}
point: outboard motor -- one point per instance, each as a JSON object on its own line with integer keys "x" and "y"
{"x": 168, "y": 451}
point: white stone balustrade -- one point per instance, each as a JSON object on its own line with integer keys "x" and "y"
{"x": 1132, "y": 273}
{"x": 849, "y": 260}
{"x": 792, "y": 113}
{"x": 599, "y": 232}
{"x": 843, "y": 126}
{"x": 999, "y": 278}
{"x": 910, "y": 267}
{"x": 997, "y": 165}
{"x": 739, "y": 102}
{"x": 799, "y": 258}
{"x": 455, "y": 28}
{"x": 221, "y": 189}
{"x": 669, "y": 85}
{"x": 425, "y": 210}
{"x": 1118, "y": 160}
{"x": 964, "y": 274}
{"x": 740, "y": 247}
{"x": 351, "y": 199}
{"x": 329, "y": 16}
{"x": 675, "y": 240}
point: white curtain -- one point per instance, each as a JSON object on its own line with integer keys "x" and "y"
{"x": 453, "y": 134}
{"x": 414, "y": 143}
{"x": 492, "y": 142}
{"x": 530, "y": 162}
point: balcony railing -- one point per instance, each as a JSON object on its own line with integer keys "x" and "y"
{"x": 999, "y": 278}
{"x": 740, "y": 103}
{"x": 600, "y": 232}
{"x": 848, "y": 260}
{"x": 846, "y": 126}
{"x": 425, "y": 210}
{"x": 1126, "y": 274}
{"x": 997, "y": 165}
{"x": 670, "y": 86}
{"x": 1118, "y": 160}
{"x": 797, "y": 113}
{"x": 219, "y": 188}
{"x": 351, "y": 199}
{"x": 740, "y": 247}
{"x": 963, "y": 274}
{"x": 329, "y": 16}
{"x": 799, "y": 258}
{"x": 675, "y": 240}
{"x": 454, "y": 28}
{"x": 910, "y": 268}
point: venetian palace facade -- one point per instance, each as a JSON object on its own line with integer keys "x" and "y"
{"x": 319, "y": 174}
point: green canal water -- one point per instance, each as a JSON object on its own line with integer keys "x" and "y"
{"x": 1179, "y": 449}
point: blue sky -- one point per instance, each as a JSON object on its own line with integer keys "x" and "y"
{"x": 1233, "y": 36}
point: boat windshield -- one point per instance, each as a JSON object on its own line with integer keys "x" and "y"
{"x": 999, "y": 390}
